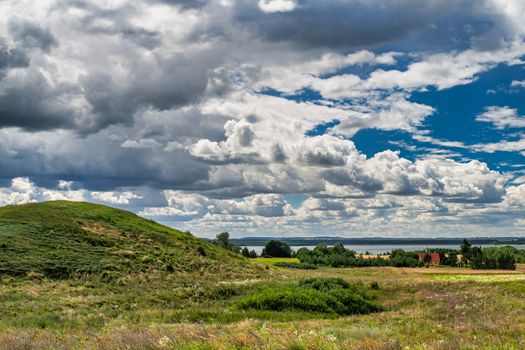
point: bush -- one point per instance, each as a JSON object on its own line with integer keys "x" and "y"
{"x": 170, "y": 268}
{"x": 405, "y": 261}
{"x": 291, "y": 299}
{"x": 292, "y": 265}
{"x": 321, "y": 295}
{"x": 201, "y": 251}
{"x": 324, "y": 283}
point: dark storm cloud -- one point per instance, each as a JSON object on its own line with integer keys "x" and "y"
{"x": 30, "y": 102}
{"x": 30, "y": 35}
{"x": 342, "y": 23}
{"x": 109, "y": 103}
{"x": 176, "y": 80}
{"x": 166, "y": 83}
{"x": 112, "y": 86}
{"x": 91, "y": 161}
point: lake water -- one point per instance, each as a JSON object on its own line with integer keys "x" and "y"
{"x": 385, "y": 248}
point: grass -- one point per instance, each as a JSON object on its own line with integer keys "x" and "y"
{"x": 81, "y": 240}
{"x": 422, "y": 311}
{"x": 272, "y": 261}
{"x": 480, "y": 278}
{"x": 291, "y": 265}
{"x": 196, "y": 305}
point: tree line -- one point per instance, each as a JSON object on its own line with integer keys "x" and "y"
{"x": 339, "y": 256}
{"x": 467, "y": 255}
{"x": 503, "y": 258}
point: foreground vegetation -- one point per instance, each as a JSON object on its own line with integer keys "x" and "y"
{"x": 55, "y": 297}
{"x": 435, "y": 308}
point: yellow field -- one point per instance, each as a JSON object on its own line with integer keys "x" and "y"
{"x": 271, "y": 261}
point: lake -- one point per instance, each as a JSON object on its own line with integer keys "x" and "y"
{"x": 376, "y": 249}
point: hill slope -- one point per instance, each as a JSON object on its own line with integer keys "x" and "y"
{"x": 62, "y": 239}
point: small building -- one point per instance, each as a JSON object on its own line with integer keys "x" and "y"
{"x": 434, "y": 258}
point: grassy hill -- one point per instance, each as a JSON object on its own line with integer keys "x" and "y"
{"x": 62, "y": 239}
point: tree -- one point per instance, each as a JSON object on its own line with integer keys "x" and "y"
{"x": 427, "y": 259}
{"x": 476, "y": 258}
{"x": 466, "y": 250}
{"x": 322, "y": 248}
{"x": 449, "y": 258}
{"x": 277, "y": 249}
{"x": 253, "y": 254}
{"x": 223, "y": 239}
{"x": 506, "y": 261}
{"x": 397, "y": 253}
{"x": 339, "y": 248}
{"x": 245, "y": 252}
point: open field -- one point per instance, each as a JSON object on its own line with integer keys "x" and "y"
{"x": 272, "y": 261}
{"x": 83, "y": 276}
{"x": 435, "y": 308}
{"x": 520, "y": 269}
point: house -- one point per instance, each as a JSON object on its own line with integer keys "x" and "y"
{"x": 434, "y": 258}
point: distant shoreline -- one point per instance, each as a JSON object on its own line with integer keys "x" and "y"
{"x": 309, "y": 241}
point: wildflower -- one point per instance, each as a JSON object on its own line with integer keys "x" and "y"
{"x": 164, "y": 341}
{"x": 331, "y": 337}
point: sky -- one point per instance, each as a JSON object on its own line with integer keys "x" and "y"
{"x": 354, "y": 118}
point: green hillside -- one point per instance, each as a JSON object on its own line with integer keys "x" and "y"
{"x": 62, "y": 239}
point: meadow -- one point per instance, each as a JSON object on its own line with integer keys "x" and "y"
{"x": 81, "y": 276}
{"x": 434, "y": 308}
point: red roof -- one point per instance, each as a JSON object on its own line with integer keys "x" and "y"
{"x": 434, "y": 258}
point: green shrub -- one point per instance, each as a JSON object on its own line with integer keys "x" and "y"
{"x": 201, "y": 251}
{"x": 374, "y": 285}
{"x": 328, "y": 283}
{"x": 291, "y": 299}
{"x": 320, "y": 295}
{"x": 170, "y": 268}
